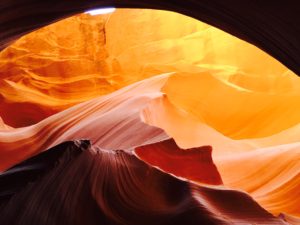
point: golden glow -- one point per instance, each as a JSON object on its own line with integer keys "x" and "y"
{"x": 210, "y": 89}
{"x": 86, "y": 56}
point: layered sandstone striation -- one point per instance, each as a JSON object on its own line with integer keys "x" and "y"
{"x": 182, "y": 101}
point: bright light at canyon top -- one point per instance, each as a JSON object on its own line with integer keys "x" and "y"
{"x": 99, "y": 11}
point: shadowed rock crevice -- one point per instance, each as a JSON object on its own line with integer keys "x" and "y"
{"x": 94, "y": 186}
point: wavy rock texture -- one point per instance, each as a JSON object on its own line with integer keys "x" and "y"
{"x": 268, "y": 168}
{"x": 221, "y": 99}
{"x": 19, "y": 176}
{"x": 101, "y": 120}
{"x": 45, "y": 72}
{"x": 114, "y": 187}
{"x": 57, "y": 67}
{"x": 194, "y": 93}
{"x": 113, "y": 117}
{"x": 271, "y": 175}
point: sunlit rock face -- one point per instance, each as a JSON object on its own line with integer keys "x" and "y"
{"x": 43, "y": 72}
{"x": 165, "y": 100}
{"x": 86, "y": 56}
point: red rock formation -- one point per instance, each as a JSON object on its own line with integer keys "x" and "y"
{"x": 114, "y": 187}
{"x": 192, "y": 164}
{"x": 216, "y": 91}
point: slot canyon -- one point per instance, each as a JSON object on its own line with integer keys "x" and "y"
{"x": 146, "y": 117}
